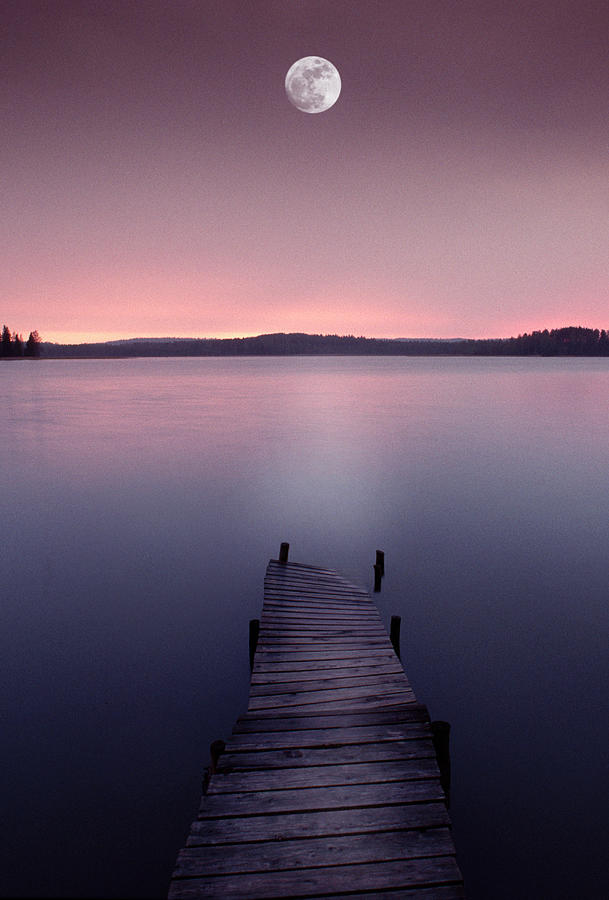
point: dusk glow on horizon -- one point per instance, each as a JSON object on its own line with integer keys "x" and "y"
{"x": 157, "y": 182}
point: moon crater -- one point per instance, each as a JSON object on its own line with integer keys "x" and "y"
{"x": 312, "y": 84}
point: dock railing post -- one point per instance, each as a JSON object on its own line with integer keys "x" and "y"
{"x": 254, "y": 632}
{"x": 441, "y": 742}
{"x": 283, "y": 552}
{"x": 380, "y": 560}
{"x": 215, "y": 749}
{"x": 377, "y": 578}
{"x": 394, "y": 634}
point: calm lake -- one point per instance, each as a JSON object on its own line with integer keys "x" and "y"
{"x": 141, "y": 501}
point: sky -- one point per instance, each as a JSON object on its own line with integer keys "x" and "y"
{"x": 155, "y": 180}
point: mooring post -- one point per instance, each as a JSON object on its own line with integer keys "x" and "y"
{"x": 254, "y": 632}
{"x": 283, "y": 553}
{"x": 215, "y": 749}
{"x": 377, "y": 577}
{"x": 380, "y": 560}
{"x": 394, "y": 634}
{"x": 441, "y": 742}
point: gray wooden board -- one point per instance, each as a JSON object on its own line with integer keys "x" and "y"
{"x": 298, "y": 603}
{"x": 299, "y": 854}
{"x": 321, "y": 600}
{"x": 318, "y": 824}
{"x": 313, "y": 757}
{"x": 251, "y": 722}
{"x": 310, "y": 623}
{"x": 319, "y": 629}
{"x": 316, "y": 674}
{"x": 301, "y": 592}
{"x": 294, "y": 666}
{"x": 311, "y": 577}
{"x": 358, "y": 703}
{"x": 252, "y": 803}
{"x": 435, "y": 870}
{"x": 324, "y": 776}
{"x": 278, "y": 656}
{"x": 367, "y": 691}
{"x": 312, "y": 617}
{"x": 397, "y": 677}
{"x": 320, "y": 737}
{"x": 308, "y": 583}
{"x": 371, "y": 636}
{"x": 324, "y": 574}
{"x": 302, "y": 643}
{"x": 318, "y": 582}
{"x": 314, "y": 621}
{"x": 315, "y": 590}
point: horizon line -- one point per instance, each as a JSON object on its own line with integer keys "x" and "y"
{"x": 80, "y": 339}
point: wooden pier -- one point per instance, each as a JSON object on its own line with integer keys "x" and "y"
{"x": 329, "y": 785}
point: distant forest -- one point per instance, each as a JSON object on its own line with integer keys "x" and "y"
{"x": 572, "y": 341}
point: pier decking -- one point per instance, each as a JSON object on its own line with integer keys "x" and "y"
{"x": 329, "y": 784}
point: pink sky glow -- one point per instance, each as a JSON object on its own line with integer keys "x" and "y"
{"x": 160, "y": 184}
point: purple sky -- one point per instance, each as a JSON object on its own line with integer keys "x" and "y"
{"x": 156, "y": 181}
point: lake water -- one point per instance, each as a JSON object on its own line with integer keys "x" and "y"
{"x": 141, "y": 500}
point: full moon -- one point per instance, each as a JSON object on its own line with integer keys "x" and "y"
{"x": 312, "y": 84}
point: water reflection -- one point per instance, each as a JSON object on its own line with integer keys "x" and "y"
{"x": 142, "y": 499}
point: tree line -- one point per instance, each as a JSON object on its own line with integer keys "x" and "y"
{"x": 571, "y": 341}
{"x": 12, "y": 345}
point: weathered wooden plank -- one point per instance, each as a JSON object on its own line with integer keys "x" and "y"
{"x": 251, "y": 722}
{"x": 273, "y": 571}
{"x": 309, "y": 882}
{"x": 319, "y": 582}
{"x": 325, "y": 776}
{"x": 313, "y": 616}
{"x": 320, "y": 737}
{"x": 298, "y": 593}
{"x": 331, "y": 627}
{"x": 318, "y": 824}
{"x": 325, "y": 695}
{"x": 274, "y": 637}
{"x": 314, "y": 798}
{"x": 316, "y": 623}
{"x": 289, "y": 644}
{"x": 350, "y": 673}
{"x": 390, "y": 700}
{"x": 299, "y": 566}
{"x": 262, "y": 665}
{"x": 314, "y": 585}
{"x": 299, "y": 854}
{"x": 322, "y": 602}
{"x": 334, "y": 600}
{"x": 278, "y": 656}
{"x": 369, "y": 680}
{"x": 314, "y": 757}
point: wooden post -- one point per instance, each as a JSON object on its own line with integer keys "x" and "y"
{"x": 215, "y": 749}
{"x": 394, "y": 634}
{"x": 380, "y": 560}
{"x": 283, "y": 552}
{"x": 254, "y": 632}
{"x": 441, "y": 743}
{"x": 377, "y": 577}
